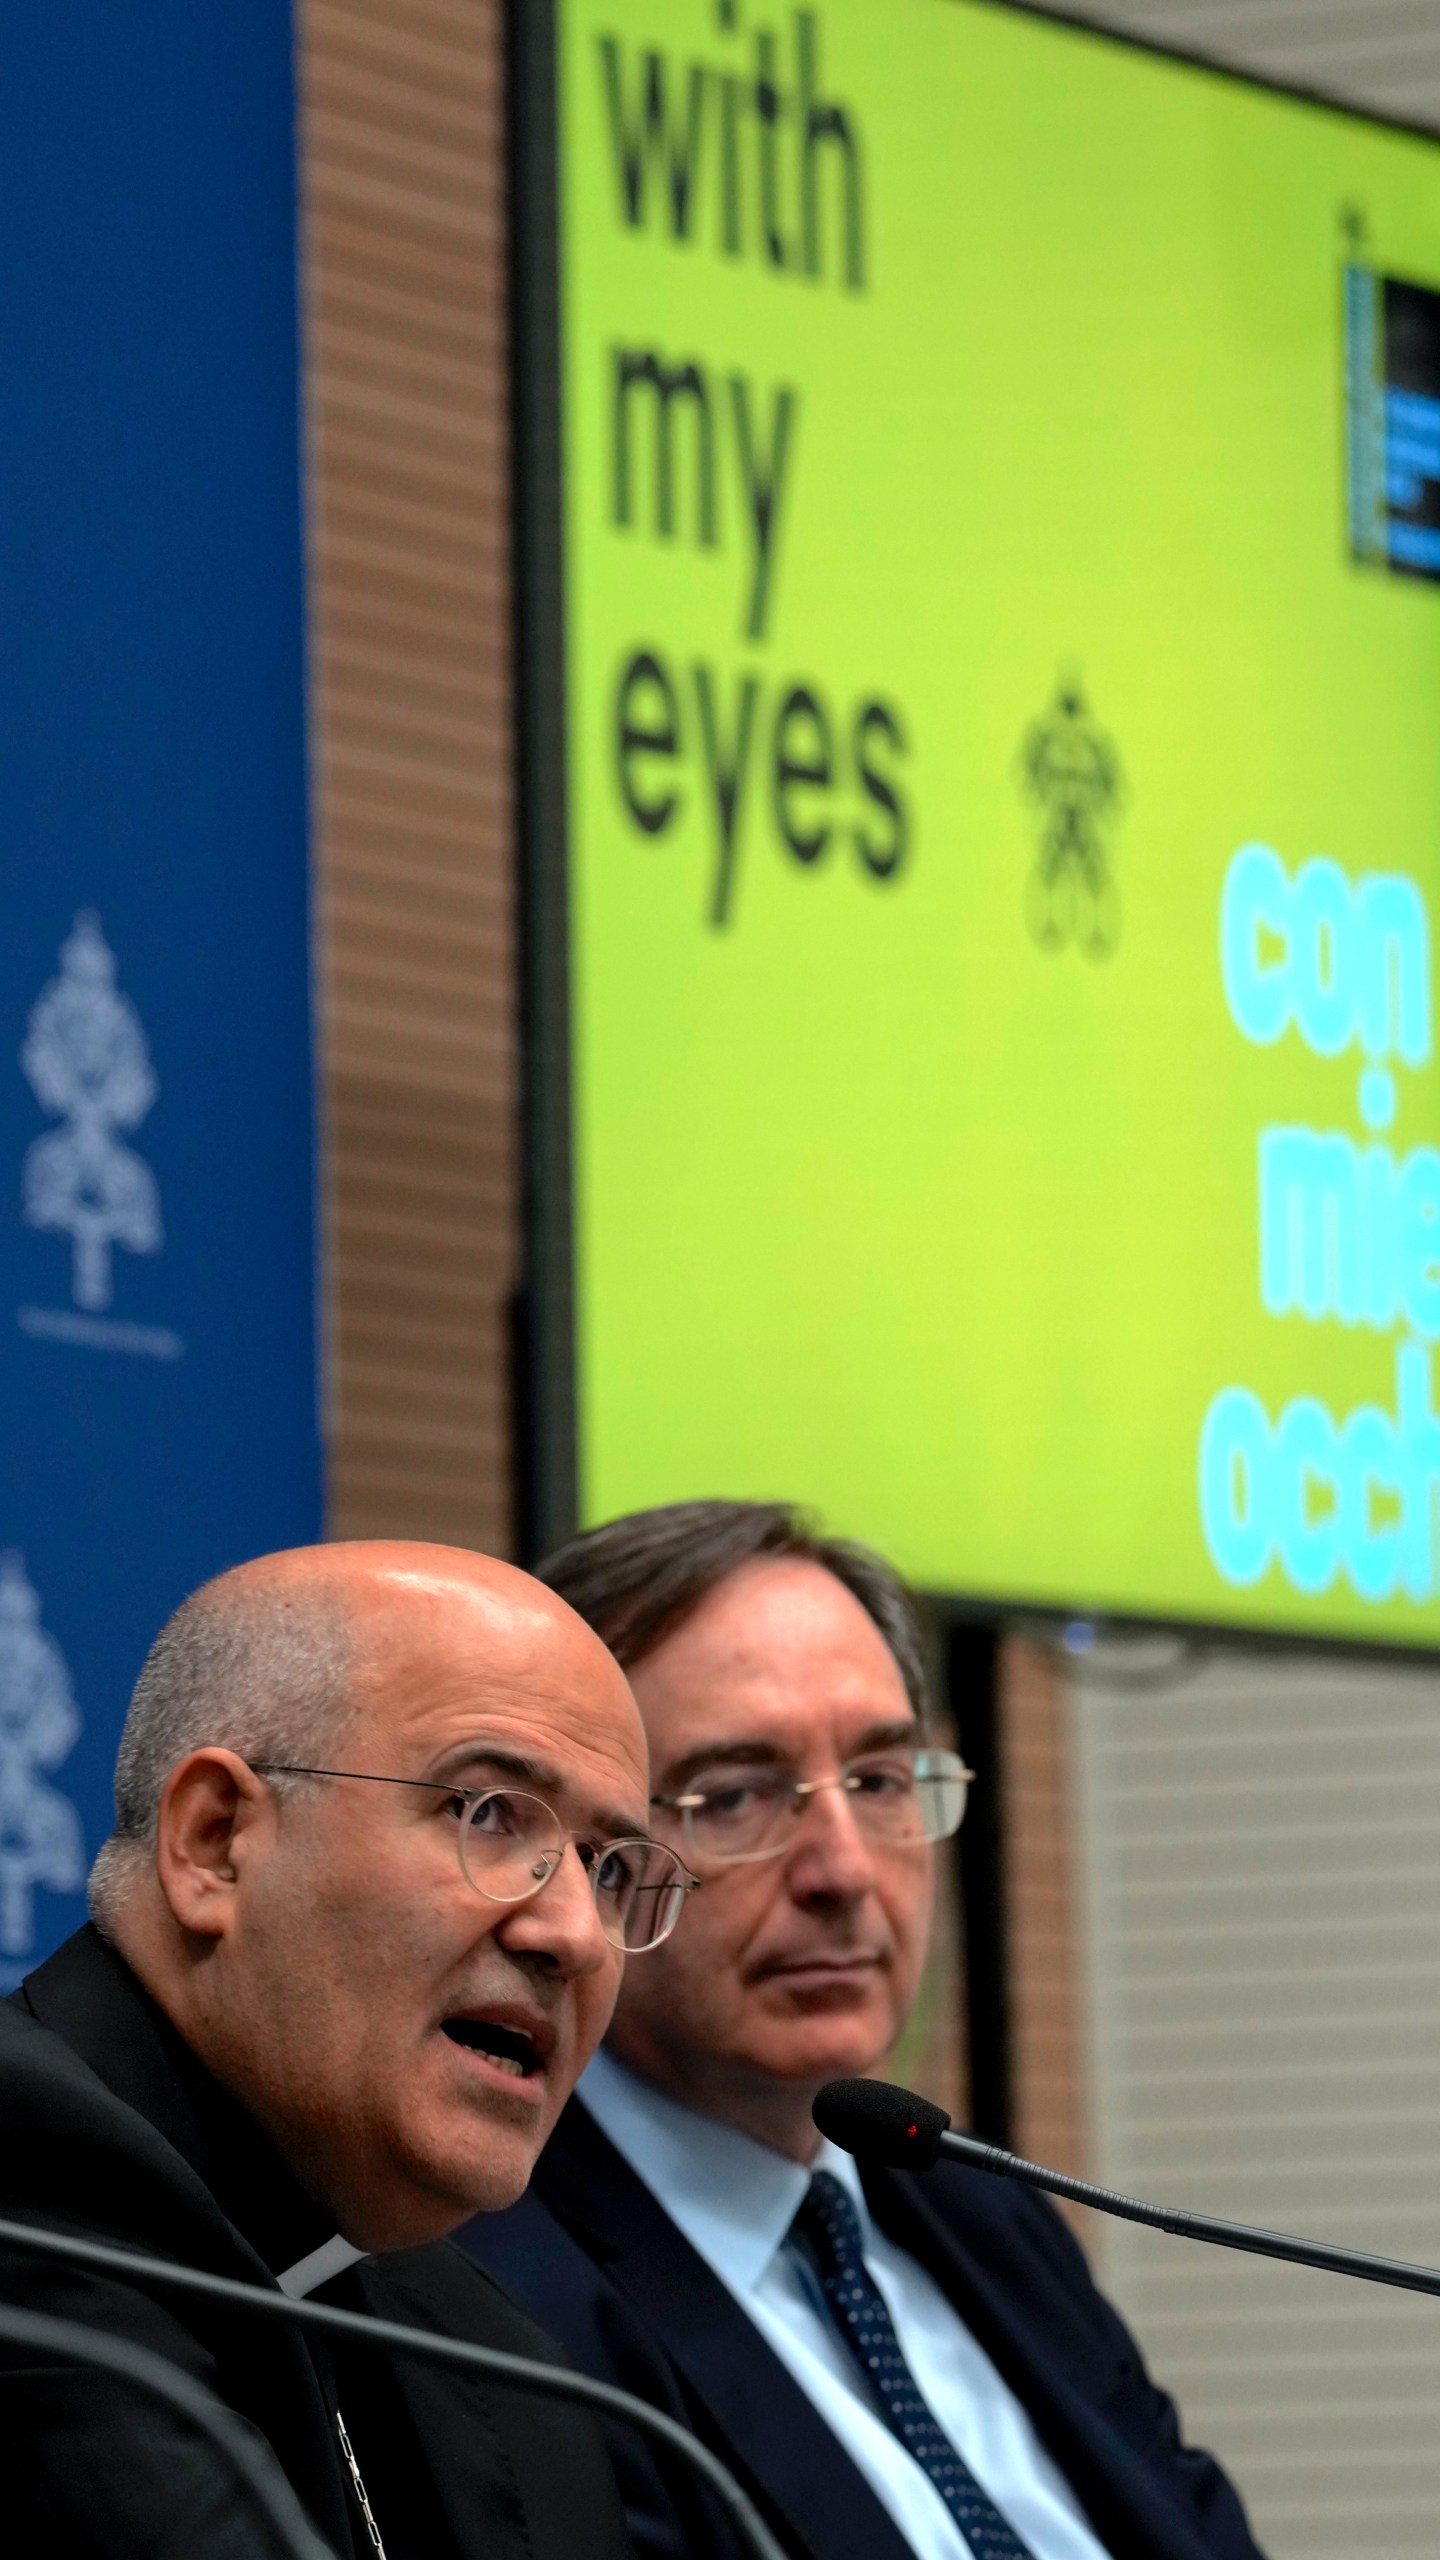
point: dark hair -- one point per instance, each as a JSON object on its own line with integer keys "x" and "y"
{"x": 637, "y": 1579}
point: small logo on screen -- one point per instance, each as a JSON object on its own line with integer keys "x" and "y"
{"x": 1392, "y": 393}
{"x": 1071, "y": 772}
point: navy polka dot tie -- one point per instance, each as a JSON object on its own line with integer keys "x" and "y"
{"x": 830, "y": 2228}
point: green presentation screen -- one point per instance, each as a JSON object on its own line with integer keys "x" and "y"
{"x": 983, "y": 527}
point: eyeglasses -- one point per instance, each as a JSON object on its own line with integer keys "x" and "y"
{"x": 900, "y": 1799}
{"x": 511, "y": 1843}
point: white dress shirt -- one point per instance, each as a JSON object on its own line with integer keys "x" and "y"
{"x": 734, "y": 2201}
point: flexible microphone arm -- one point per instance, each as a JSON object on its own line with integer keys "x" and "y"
{"x": 884, "y": 2124}
{"x": 256, "y": 2465}
{"x": 555, "y": 2382}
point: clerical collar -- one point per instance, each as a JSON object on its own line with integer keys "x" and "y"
{"x": 318, "y": 2266}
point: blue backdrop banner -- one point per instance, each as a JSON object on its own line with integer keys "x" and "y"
{"x": 157, "y": 1326}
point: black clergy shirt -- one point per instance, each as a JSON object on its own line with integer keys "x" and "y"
{"x": 110, "y": 2125}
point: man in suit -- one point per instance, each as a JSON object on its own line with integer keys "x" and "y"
{"x": 379, "y": 1850}
{"x": 893, "y": 2366}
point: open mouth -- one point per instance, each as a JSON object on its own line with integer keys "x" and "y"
{"x": 509, "y": 2048}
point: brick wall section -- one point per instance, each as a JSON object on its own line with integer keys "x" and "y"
{"x": 1045, "y": 2025}
{"x": 404, "y": 298}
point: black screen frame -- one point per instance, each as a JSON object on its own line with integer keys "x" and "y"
{"x": 545, "y": 1349}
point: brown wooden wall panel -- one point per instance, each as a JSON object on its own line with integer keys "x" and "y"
{"x": 1041, "y": 1918}
{"x": 404, "y": 293}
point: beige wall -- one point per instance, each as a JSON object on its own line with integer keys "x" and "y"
{"x": 1256, "y": 1840}
{"x": 405, "y": 326}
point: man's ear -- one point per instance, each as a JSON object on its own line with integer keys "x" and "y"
{"x": 210, "y": 1811}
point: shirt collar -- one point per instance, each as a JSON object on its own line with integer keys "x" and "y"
{"x": 733, "y": 2198}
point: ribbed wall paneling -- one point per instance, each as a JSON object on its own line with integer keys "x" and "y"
{"x": 1383, "y": 55}
{"x": 1044, "y": 1956}
{"x": 1262, "y": 1934}
{"x": 404, "y": 297}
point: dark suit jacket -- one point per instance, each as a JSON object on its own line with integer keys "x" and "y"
{"x": 592, "y": 2255}
{"x": 109, "y": 2126}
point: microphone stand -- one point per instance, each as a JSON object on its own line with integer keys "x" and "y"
{"x": 1188, "y": 2226}
{"x": 554, "y": 2382}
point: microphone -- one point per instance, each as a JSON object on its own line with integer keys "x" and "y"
{"x": 897, "y": 2130}
{"x": 879, "y": 2122}
{"x": 555, "y": 2382}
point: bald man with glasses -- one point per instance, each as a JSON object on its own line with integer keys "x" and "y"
{"x": 894, "y": 2367}
{"x": 382, "y": 1849}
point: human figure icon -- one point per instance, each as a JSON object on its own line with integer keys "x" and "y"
{"x": 1070, "y": 767}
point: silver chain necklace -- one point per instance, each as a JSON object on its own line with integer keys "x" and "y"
{"x": 366, "y": 2510}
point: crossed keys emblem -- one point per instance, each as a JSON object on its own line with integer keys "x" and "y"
{"x": 1069, "y": 767}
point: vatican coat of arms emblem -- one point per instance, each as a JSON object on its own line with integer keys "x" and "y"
{"x": 40, "y": 1837}
{"x": 88, "y": 1060}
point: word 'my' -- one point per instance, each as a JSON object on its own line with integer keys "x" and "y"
{"x": 736, "y": 155}
{"x": 761, "y": 450}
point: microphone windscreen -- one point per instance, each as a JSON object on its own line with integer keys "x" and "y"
{"x": 877, "y": 2122}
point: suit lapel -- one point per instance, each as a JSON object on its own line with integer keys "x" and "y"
{"x": 980, "y": 2269}
{"x": 744, "y": 2400}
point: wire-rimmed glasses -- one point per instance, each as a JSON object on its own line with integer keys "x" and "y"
{"x": 900, "y": 1799}
{"x": 511, "y": 1843}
